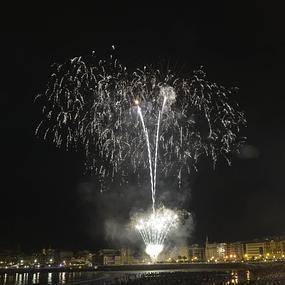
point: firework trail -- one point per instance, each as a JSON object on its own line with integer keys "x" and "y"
{"x": 94, "y": 104}
{"x": 149, "y": 158}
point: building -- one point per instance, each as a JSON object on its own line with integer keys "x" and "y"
{"x": 126, "y": 256}
{"x": 282, "y": 245}
{"x": 234, "y": 251}
{"x": 215, "y": 251}
{"x": 196, "y": 253}
{"x": 211, "y": 252}
{"x": 274, "y": 249}
{"x": 183, "y": 253}
{"x": 84, "y": 255}
{"x": 65, "y": 255}
{"x": 109, "y": 257}
{"x": 254, "y": 250}
{"x": 175, "y": 254}
{"x": 50, "y": 256}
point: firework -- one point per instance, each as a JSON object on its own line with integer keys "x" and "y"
{"x": 154, "y": 228}
{"x": 129, "y": 121}
{"x": 113, "y": 113}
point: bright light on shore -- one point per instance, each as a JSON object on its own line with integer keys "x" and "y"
{"x": 153, "y": 250}
{"x": 154, "y": 228}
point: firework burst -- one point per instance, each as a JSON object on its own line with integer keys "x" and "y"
{"x": 101, "y": 106}
{"x": 128, "y": 121}
{"x": 154, "y": 228}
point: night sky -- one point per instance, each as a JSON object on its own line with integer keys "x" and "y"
{"x": 45, "y": 198}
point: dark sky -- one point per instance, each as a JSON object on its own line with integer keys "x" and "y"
{"x": 44, "y": 197}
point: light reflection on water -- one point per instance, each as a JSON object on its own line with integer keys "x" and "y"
{"x": 74, "y": 277}
{"x": 233, "y": 278}
{"x": 248, "y": 275}
{"x": 101, "y": 278}
{"x": 46, "y": 278}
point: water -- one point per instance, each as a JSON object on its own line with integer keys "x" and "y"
{"x": 167, "y": 277}
{"x": 52, "y": 278}
{"x": 60, "y": 278}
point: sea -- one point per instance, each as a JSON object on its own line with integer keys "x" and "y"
{"x": 177, "y": 276}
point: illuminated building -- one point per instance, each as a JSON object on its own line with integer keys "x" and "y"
{"x": 215, "y": 251}
{"x": 65, "y": 255}
{"x": 274, "y": 249}
{"x": 175, "y": 254}
{"x": 254, "y": 250}
{"x": 234, "y": 251}
{"x": 126, "y": 256}
{"x": 109, "y": 257}
{"x": 50, "y": 256}
{"x": 221, "y": 249}
{"x": 282, "y": 245}
{"x": 196, "y": 253}
{"x": 183, "y": 252}
{"x": 84, "y": 255}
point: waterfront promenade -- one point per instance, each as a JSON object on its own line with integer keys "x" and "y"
{"x": 158, "y": 266}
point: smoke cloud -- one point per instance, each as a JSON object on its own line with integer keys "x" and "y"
{"x": 109, "y": 214}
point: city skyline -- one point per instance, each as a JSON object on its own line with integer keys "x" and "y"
{"x": 260, "y": 251}
{"x": 46, "y": 199}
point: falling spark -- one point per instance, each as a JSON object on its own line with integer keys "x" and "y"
{"x": 154, "y": 228}
{"x": 127, "y": 122}
{"x": 99, "y": 105}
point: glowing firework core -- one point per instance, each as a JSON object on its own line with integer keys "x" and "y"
{"x": 153, "y": 250}
{"x": 154, "y": 228}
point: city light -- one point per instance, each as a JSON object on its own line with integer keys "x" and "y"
{"x": 236, "y": 252}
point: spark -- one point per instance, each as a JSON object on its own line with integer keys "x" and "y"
{"x": 154, "y": 228}
{"x": 99, "y": 105}
{"x": 128, "y": 121}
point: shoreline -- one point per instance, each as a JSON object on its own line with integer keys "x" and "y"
{"x": 199, "y": 267}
